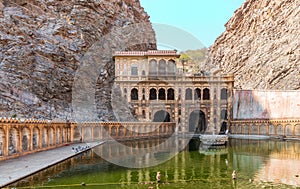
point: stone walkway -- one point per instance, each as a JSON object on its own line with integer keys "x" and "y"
{"x": 14, "y": 169}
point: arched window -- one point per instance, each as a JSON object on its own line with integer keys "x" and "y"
{"x": 171, "y": 67}
{"x": 153, "y": 94}
{"x": 134, "y": 70}
{"x": 134, "y": 94}
{"x": 161, "y": 94}
{"x": 170, "y": 94}
{"x": 197, "y": 94}
{"x": 125, "y": 91}
{"x": 143, "y": 73}
{"x": 162, "y": 67}
{"x": 206, "y": 95}
{"x": 125, "y": 70}
{"x": 188, "y": 94}
{"x": 153, "y": 67}
{"x": 223, "y": 94}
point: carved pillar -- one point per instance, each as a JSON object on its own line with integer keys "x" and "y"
{"x": 6, "y": 144}
{"x": 54, "y": 126}
{"x": 92, "y": 132}
{"x": 19, "y": 137}
{"x": 82, "y": 128}
{"x": 71, "y": 131}
{"x": 40, "y": 141}
{"x": 31, "y": 137}
{"x": 48, "y": 136}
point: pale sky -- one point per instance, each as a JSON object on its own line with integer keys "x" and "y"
{"x": 204, "y": 19}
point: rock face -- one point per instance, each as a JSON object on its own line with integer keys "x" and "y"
{"x": 43, "y": 43}
{"x": 261, "y": 45}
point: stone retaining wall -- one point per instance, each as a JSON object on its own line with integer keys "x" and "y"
{"x": 282, "y": 127}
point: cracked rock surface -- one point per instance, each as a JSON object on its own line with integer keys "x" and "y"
{"x": 261, "y": 46}
{"x": 42, "y": 43}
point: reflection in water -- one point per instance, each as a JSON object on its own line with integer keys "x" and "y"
{"x": 282, "y": 167}
{"x": 274, "y": 162}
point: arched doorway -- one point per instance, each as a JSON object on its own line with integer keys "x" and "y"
{"x": 162, "y": 116}
{"x": 197, "y": 122}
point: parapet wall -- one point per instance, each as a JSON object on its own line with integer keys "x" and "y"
{"x": 20, "y": 137}
{"x": 284, "y": 127}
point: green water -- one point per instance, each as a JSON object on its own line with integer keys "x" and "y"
{"x": 259, "y": 164}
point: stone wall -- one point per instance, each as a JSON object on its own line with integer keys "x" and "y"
{"x": 261, "y": 104}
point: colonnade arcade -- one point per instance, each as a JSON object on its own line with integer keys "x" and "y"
{"x": 18, "y": 137}
{"x": 23, "y": 137}
{"x": 179, "y": 100}
{"x": 163, "y": 93}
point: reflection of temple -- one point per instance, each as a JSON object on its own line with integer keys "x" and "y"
{"x": 283, "y": 166}
{"x": 159, "y": 91}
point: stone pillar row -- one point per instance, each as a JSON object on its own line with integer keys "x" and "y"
{"x": 16, "y": 137}
{"x": 286, "y": 127}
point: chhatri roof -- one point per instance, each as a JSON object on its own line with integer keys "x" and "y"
{"x": 147, "y": 53}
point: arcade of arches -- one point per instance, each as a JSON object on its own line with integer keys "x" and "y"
{"x": 21, "y": 138}
{"x": 158, "y": 89}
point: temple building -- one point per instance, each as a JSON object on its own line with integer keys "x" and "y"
{"x": 158, "y": 89}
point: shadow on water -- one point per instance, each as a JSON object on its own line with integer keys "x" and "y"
{"x": 194, "y": 144}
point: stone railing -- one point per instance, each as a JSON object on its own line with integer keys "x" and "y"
{"x": 20, "y": 137}
{"x": 276, "y": 127}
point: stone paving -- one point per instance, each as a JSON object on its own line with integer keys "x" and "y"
{"x": 14, "y": 169}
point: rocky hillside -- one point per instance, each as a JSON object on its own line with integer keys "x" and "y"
{"x": 43, "y": 43}
{"x": 261, "y": 45}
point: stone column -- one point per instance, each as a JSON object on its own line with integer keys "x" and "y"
{"x": 157, "y": 93}
{"x": 48, "y": 137}
{"x": 54, "y": 125}
{"x": 31, "y": 138}
{"x": 6, "y": 143}
{"x": 19, "y": 137}
{"x": 82, "y": 128}
{"x": 230, "y": 99}
{"x": 40, "y": 142}
{"x": 71, "y": 132}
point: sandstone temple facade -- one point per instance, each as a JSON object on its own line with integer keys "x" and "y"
{"x": 154, "y": 84}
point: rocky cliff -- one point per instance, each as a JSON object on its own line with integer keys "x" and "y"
{"x": 43, "y": 44}
{"x": 261, "y": 45}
